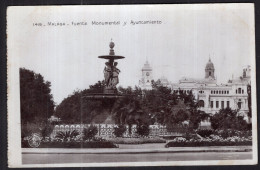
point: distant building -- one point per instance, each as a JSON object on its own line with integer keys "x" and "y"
{"x": 147, "y": 77}
{"x": 211, "y": 96}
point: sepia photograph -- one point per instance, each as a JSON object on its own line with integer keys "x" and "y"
{"x": 131, "y": 85}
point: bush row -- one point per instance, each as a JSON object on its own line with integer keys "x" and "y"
{"x": 136, "y": 140}
{"x": 205, "y": 143}
{"x": 73, "y": 144}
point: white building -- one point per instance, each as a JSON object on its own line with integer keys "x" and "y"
{"x": 212, "y": 96}
{"x": 147, "y": 77}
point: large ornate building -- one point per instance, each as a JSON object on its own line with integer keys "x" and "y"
{"x": 210, "y": 95}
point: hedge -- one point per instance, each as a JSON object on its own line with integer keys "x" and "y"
{"x": 89, "y": 144}
{"x": 204, "y": 143}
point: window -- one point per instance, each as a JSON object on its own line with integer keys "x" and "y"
{"x": 209, "y": 73}
{"x": 242, "y": 91}
{"x": 201, "y": 103}
{"x": 216, "y": 92}
{"x": 239, "y": 90}
{"x": 236, "y": 91}
{"x": 211, "y": 104}
{"x": 222, "y": 104}
{"x": 227, "y": 104}
{"x": 227, "y": 92}
{"x": 239, "y": 104}
{"x": 216, "y": 104}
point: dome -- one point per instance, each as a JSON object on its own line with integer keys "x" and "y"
{"x": 210, "y": 65}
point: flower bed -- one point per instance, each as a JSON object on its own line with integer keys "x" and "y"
{"x": 74, "y": 144}
{"x": 136, "y": 140}
{"x": 212, "y": 140}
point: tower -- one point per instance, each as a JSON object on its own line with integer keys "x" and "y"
{"x": 147, "y": 77}
{"x": 209, "y": 70}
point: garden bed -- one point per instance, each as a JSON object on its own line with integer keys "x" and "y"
{"x": 212, "y": 140}
{"x": 89, "y": 144}
{"x": 136, "y": 140}
{"x": 194, "y": 144}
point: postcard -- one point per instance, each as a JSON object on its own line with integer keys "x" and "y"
{"x": 131, "y": 85}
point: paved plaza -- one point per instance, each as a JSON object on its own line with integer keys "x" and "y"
{"x": 134, "y": 153}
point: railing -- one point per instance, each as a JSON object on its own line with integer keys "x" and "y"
{"x": 106, "y": 130}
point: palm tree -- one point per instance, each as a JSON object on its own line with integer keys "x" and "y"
{"x": 67, "y": 135}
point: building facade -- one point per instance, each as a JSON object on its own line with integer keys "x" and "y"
{"x": 212, "y": 96}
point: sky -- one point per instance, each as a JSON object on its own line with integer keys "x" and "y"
{"x": 180, "y": 46}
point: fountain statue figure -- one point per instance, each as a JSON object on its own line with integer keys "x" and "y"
{"x": 111, "y": 72}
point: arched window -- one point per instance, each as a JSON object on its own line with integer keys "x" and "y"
{"x": 242, "y": 91}
{"x": 236, "y": 91}
{"x": 227, "y": 92}
{"x": 201, "y": 103}
{"x": 216, "y": 92}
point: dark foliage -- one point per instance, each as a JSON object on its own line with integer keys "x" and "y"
{"x": 47, "y": 130}
{"x": 205, "y": 132}
{"x": 158, "y": 105}
{"x": 142, "y": 130}
{"x": 90, "y": 132}
{"x": 228, "y": 119}
{"x": 119, "y": 131}
{"x": 87, "y": 111}
{"x": 67, "y": 135}
{"x": 74, "y": 144}
{"x": 37, "y": 103}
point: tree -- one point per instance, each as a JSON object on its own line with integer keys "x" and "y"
{"x": 74, "y": 109}
{"x": 228, "y": 119}
{"x": 37, "y": 103}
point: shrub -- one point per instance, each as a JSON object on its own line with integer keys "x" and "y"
{"x": 119, "y": 131}
{"x": 205, "y": 143}
{"x": 142, "y": 130}
{"x": 136, "y": 140}
{"x": 47, "y": 130}
{"x": 205, "y": 132}
{"x": 67, "y": 136}
{"x": 90, "y": 132}
{"x": 74, "y": 144}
